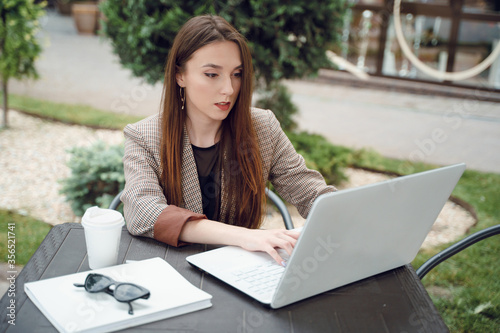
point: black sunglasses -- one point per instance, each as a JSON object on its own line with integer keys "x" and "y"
{"x": 122, "y": 292}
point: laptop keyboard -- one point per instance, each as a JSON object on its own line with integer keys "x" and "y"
{"x": 260, "y": 279}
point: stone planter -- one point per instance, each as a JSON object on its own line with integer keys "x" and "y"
{"x": 86, "y": 17}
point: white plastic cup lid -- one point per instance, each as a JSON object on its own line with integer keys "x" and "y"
{"x": 102, "y": 218}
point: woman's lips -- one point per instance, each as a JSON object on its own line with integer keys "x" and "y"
{"x": 223, "y": 106}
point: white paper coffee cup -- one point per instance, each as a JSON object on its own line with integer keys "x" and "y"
{"x": 103, "y": 230}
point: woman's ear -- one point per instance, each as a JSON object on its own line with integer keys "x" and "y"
{"x": 179, "y": 77}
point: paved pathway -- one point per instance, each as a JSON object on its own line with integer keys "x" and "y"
{"x": 440, "y": 130}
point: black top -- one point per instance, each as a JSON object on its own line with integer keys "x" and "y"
{"x": 207, "y": 164}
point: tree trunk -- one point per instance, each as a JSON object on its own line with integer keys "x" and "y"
{"x": 4, "y": 76}
{"x": 5, "y": 123}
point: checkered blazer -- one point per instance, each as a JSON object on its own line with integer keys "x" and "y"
{"x": 147, "y": 212}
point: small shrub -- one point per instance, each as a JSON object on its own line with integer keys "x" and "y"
{"x": 96, "y": 176}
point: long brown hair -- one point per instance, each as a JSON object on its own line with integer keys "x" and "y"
{"x": 242, "y": 168}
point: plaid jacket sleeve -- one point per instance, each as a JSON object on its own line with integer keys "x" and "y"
{"x": 284, "y": 167}
{"x": 147, "y": 212}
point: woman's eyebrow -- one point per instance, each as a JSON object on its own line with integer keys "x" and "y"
{"x": 220, "y": 67}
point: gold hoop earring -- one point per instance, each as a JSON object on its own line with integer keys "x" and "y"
{"x": 183, "y": 100}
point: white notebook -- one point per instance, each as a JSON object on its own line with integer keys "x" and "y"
{"x": 72, "y": 309}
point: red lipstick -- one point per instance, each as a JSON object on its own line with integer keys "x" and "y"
{"x": 223, "y": 106}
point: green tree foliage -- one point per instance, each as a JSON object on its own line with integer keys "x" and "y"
{"x": 288, "y": 38}
{"x": 142, "y": 32}
{"x": 19, "y": 48}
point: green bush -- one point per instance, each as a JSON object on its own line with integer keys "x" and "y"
{"x": 142, "y": 32}
{"x": 96, "y": 176}
{"x": 321, "y": 155}
{"x": 288, "y": 40}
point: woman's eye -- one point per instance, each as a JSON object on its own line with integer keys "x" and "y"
{"x": 238, "y": 74}
{"x": 211, "y": 75}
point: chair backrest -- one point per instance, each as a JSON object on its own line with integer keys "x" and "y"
{"x": 116, "y": 201}
{"x": 287, "y": 219}
{"x": 456, "y": 248}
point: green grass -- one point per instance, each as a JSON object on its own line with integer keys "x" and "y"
{"x": 70, "y": 114}
{"x": 20, "y": 236}
{"x": 465, "y": 288}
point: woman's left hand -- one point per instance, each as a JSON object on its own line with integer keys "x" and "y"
{"x": 269, "y": 241}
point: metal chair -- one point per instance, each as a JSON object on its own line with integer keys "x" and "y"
{"x": 456, "y": 248}
{"x": 270, "y": 194}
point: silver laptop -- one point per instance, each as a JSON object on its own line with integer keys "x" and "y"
{"x": 349, "y": 235}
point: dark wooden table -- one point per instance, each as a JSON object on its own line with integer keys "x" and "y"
{"x": 393, "y": 301}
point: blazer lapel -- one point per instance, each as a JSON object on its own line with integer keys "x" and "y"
{"x": 190, "y": 184}
{"x": 225, "y": 205}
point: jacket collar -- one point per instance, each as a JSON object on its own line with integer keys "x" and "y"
{"x": 191, "y": 193}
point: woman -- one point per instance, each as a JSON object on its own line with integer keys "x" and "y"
{"x": 197, "y": 172}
